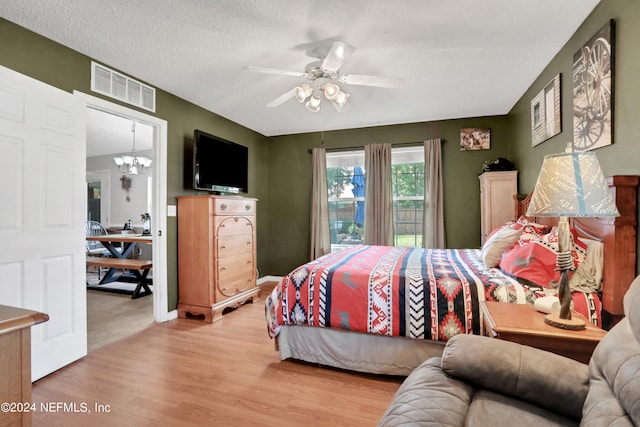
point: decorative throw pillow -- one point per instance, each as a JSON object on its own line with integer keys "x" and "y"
{"x": 535, "y": 261}
{"x": 498, "y": 242}
{"x": 530, "y": 230}
{"x": 577, "y": 247}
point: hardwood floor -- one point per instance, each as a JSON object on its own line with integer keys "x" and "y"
{"x": 113, "y": 316}
{"x": 188, "y": 373}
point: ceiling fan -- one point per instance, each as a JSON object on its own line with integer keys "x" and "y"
{"x": 325, "y": 79}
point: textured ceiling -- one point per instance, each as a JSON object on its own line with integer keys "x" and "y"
{"x": 458, "y": 58}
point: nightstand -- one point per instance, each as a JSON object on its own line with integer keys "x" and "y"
{"x": 523, "y": 324}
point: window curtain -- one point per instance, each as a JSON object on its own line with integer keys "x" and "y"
{"x": 378, "y": 205}
{"x": 433, "y": 218}
{"x": 320, "y": 235}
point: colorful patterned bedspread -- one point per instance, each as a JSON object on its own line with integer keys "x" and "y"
{"x": 419, "y": 293}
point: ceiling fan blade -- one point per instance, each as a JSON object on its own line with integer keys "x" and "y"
{"x": 282, "y": 98}
{"x": 277, "y": 71}
{"x": 337, "y": 54}
{"x": 364, "y": 80}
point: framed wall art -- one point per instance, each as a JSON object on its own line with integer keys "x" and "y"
{"x": 546, "y": 113}
{"x": 475, "y": 139}
{"x": 593, "y": 91}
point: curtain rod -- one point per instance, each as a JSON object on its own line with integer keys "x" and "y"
{"x": 361, "y": 147}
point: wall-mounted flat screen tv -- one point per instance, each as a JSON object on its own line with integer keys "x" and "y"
{"x": 219, "y": 165}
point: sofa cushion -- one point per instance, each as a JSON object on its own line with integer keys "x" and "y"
{"x": 493, "y": 409}
{"x": 536, "y": 376}
{"x": 428, "y": 397}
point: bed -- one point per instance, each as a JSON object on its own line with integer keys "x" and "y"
{"x": 384, "y": 310}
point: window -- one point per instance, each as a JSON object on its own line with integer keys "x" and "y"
{"x": 346, "y": 209}
{"x": 408, "y": 195}
{"x": 345, "y": 173}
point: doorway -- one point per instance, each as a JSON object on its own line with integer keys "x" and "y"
{"x": 158, "y": 194}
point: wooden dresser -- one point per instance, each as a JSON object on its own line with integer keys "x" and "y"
{"x": 498, "y": 191}
{"x": 15, "y": 364}
{"x": 216, "y": 254}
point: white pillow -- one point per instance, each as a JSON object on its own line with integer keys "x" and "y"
{"x": 497, "y": 244}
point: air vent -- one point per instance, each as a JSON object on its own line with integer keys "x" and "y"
{"x": 115, "y": 85}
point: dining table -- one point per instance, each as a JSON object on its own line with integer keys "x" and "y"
{"x": 119, "y": 245}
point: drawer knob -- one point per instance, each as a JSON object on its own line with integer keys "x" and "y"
{"x": 223, "y": 206}
{"x": 223, "y": 268}
{"x": 247, "y": 207}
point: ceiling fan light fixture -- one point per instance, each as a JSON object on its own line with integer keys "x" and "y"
{"x": 302, "y": 92}
{"x": 342, "y": 98}
{"x": 313, "y": 104}
{"x": 331, "y": 91}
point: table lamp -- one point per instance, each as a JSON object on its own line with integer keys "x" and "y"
{"x": 570, "y": 184}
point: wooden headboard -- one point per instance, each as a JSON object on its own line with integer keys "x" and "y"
{"x": 618, "y": 236}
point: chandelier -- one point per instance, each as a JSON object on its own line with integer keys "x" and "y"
{"x": 313, "y": 95}
{"x": 133, "y": 165}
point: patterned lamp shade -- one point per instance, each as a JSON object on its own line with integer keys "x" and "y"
{"x": 572, "y": 184}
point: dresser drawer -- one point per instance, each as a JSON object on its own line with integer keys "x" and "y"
{"x": 235, "y": 275}
{"x": 237, "y": 206}
{"x": 234, "y": 245}
{"x": 232, "y": 287}
{"x": 233, "y": 225}
{"x": 239, "y": 265}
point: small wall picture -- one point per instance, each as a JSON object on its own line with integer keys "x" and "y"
{"x": 546, "y": 113}
{"x": 475, "y": 139}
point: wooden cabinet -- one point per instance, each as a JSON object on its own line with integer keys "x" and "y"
{"x": 15, "y": 364}
{"x": 216, "y": 254}
{"x": 498, "y": 203}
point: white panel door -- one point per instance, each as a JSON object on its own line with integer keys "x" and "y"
{"x": 43, "y": 206}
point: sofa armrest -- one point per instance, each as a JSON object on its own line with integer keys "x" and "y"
{"x": 429, "y": 397}
{"x": 554, "y": 382}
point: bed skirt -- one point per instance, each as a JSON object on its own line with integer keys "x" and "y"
{"x": 370, "y": 353}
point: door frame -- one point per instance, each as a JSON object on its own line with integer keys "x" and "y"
{"x": 159, "y": 170}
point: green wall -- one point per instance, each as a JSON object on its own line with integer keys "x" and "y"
{"x": 623, "y": 156}
{"x": 56, "y": 65}
{"x": 290, "y": 180}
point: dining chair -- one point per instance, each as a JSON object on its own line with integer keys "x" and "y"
{"x": 94, "y": 228}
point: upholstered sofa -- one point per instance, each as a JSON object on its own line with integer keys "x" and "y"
{"x": 481, "y": 381}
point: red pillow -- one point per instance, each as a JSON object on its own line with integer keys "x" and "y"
{"x": 535, "y": 260}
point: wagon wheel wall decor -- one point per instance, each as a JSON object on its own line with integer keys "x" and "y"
{"x": 593, "y": 91}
